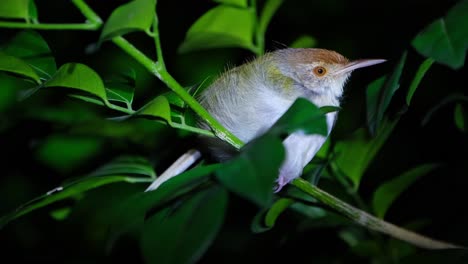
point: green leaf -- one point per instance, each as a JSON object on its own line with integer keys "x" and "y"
{"x": 276, "y": 210}
{"x": 78, "y": 76}
{"x": 133, "y": 210}
{"x": 61, "y": 213}
{"x": 33, "y": 11}
{"x": 158, "y": 107}
{"x": 252, "y": 174}
{"x": 221, "y": 27}
{"x": 446, "y": 39}
{"x": 121, "y": 88}
{"x": 15, "y": 65}
{"x": 455, "y": 97}
{"x": 388, "y": 192}
{"x": 423, "y": 68}
{"x": 372, "y": 98}
{"x": 383, "y": 96}
{"x": 301, "y": 115}
{"x": 14, "y": 9}
{"x": 66, "y": 191}
{"x": 183, "y": 231}
{"x": 460, "y": 117}
{"x": 67, "y": 153}
{"x": 238, "y": 3}
{"x": 304, "y": 41}
{"x": 355, "y": 152}
{"x": 126, "y": 165}
{"x": 34, "y": 50}
{"x": 137, "y": 15}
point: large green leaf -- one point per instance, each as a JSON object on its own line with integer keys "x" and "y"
{"x": 71, "y": 189}
{"x": 222, "y": 26}
{"x": 446, "y": 39}
{"x": 183, "y": 231}
{"x": 34, "y": 50}
{"x": 15, "y": 9}
{"x": 302, "y": 115}
{"x": 355, "y": 152}
{"x": 78, "y": 76}
{"x": 389, "y": 191}
{"x": 380, "y": 94}
{"x": 137, "y": 15}
{"x": 133, "y": 210}
{"x": 252, "y": 174}
{"x": 15, "y": 65}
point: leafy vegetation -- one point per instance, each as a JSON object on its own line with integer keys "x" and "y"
{"x": 90, "y": 129}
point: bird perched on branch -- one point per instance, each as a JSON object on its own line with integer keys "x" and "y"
{"x": 249, "y": 99}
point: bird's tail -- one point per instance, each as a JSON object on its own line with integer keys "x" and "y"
{"x": 179, "y": 166}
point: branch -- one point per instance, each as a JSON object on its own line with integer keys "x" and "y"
{"x": 371, "y": 222}
{"x": 93, "y": 22}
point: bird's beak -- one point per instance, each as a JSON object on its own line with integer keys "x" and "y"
{"x": 351, "y": 66}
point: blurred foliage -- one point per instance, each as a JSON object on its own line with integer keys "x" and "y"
{"x": 88, "y": 151}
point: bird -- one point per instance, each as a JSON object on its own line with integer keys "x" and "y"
{"x": 248, "y": 99}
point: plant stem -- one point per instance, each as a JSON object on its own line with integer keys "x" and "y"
{"x": 157, "y": 43}
{"x": 87, "y": 12}
{"x": 94, "y": 21}
{"x": 164, "y": 76}
{"x": 84, "y": 26}
{"x": 369, "y": 221}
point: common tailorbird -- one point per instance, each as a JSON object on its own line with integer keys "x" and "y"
{"x": 250, "y": 98}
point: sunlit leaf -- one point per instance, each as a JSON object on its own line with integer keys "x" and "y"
{"x": 137, "y": 15}
{"x": 34, "y": 50}
{"x": 17, "y": 66}
{"x": 446, "y": 39}
{"x": 14, "y": 9}
{"x": 183, "y": 231}
{"x": 78, "y": 76}
{"x": 238, "y": 3}
{"x": 389, "y": 191}
{"x": 383, "y": 95}
{"x": 222, "y": 26}
{"x": 304, "y": 41}
{"x": 158, "y": 107}
{"x": 253, "y": 172}
{"x": 460, "y": 117}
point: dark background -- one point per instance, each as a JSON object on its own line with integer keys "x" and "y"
{"x": 356, "y": 29}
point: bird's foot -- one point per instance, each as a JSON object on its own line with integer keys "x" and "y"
{"x": 280, "y": 183}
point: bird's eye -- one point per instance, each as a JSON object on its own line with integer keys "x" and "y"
{"x": 320, "y": 71}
